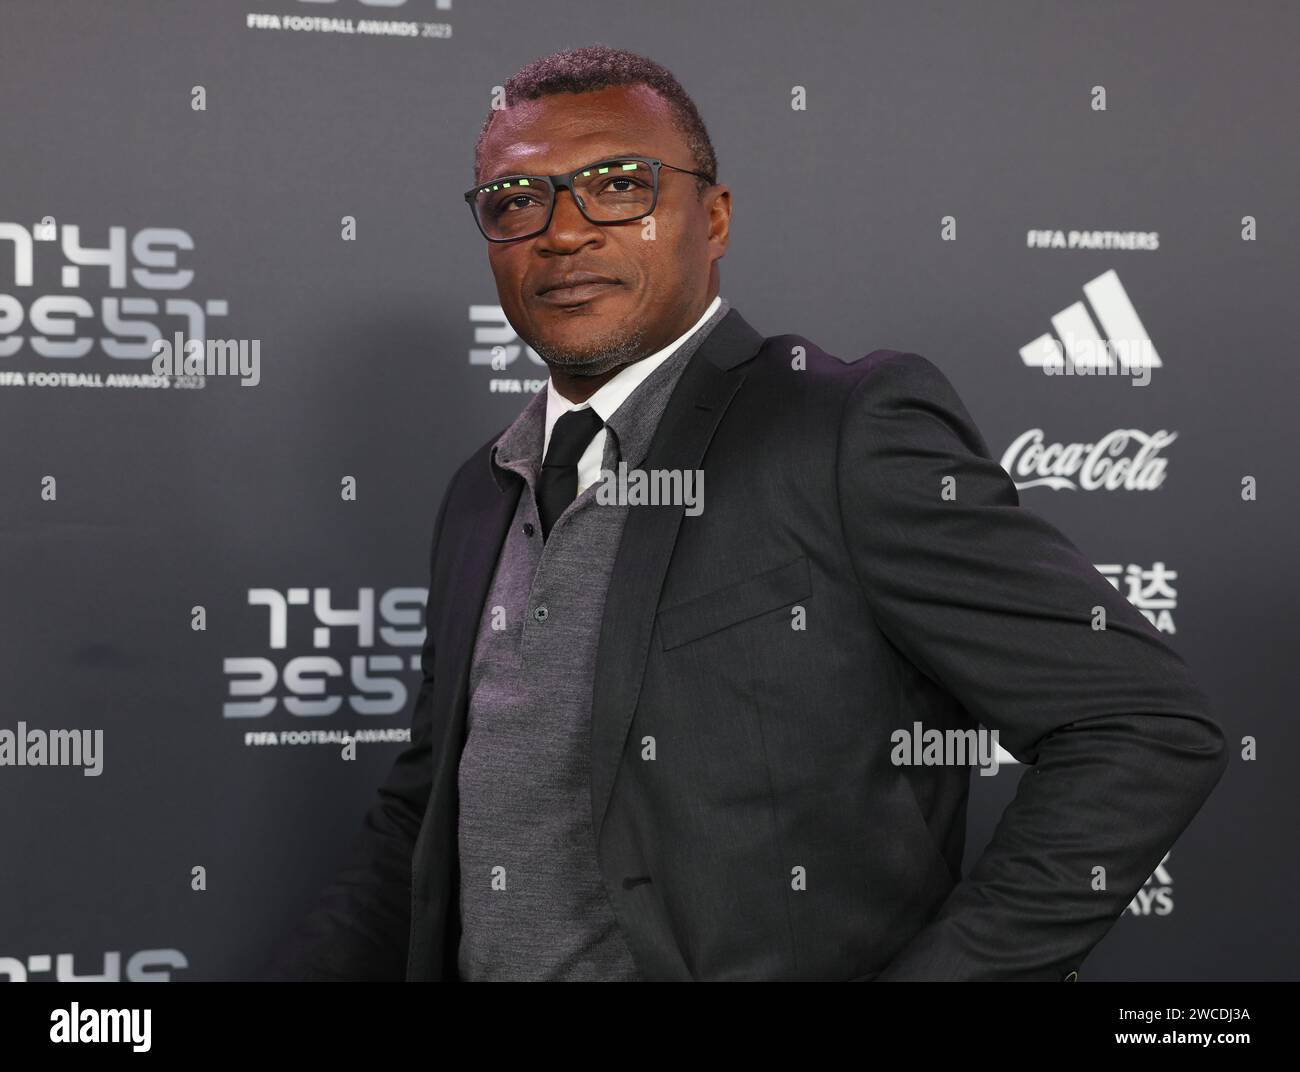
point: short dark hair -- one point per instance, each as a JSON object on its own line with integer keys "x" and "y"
{"x": 585, "y": 70}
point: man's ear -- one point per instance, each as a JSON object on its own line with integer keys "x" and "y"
{"x": 719, "y": 205}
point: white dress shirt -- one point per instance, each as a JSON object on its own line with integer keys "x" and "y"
{"x": 608, "y": 398}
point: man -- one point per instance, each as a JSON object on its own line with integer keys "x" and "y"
{"x": 657, "y": 740}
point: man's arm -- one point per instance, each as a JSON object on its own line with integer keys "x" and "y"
{"x": 994, "y": 604}
{"x": 359, "y": 928}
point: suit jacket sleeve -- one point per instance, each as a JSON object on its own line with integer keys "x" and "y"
{"x": 359, "y": 929}
{"x": 995, "y": 605}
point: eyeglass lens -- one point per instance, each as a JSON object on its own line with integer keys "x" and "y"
{"x": 609, "y": 191}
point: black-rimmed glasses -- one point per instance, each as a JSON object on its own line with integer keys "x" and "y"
{"x": 615, "y": 190}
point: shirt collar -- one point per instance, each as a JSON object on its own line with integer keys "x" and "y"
{"x": 523, "y": 445}
{"x": 613, "y": 393}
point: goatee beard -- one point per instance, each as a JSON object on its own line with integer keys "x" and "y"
{"x": 595, "y": 359}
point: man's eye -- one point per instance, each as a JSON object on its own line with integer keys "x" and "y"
{"x": 510, "y": 203}
{"x": 624, "y": 178}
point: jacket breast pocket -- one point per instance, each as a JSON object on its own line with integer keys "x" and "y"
{"x": 771, "y": 590}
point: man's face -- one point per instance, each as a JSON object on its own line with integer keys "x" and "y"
{"x": 663, "y": 283}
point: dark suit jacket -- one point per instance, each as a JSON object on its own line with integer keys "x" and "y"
{"x": 822, "y": 490}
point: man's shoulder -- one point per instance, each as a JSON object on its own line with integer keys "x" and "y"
{"x": 783, "y": 357}
{"x": 891, "y": 373}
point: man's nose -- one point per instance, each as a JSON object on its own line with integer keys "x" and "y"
{"x": 567, "y": 219}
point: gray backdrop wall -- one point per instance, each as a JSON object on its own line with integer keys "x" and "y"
{"x": 949, "y": 183}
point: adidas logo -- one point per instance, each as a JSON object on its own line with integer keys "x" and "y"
{"x": 1120, "y": 347}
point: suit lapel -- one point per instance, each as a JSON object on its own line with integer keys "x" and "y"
{"x": 697, "y": 404}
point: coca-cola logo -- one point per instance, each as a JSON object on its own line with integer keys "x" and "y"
{"x": 1110, "y": 463}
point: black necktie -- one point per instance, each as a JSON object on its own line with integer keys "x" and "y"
{"x": 557, "y": 484}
